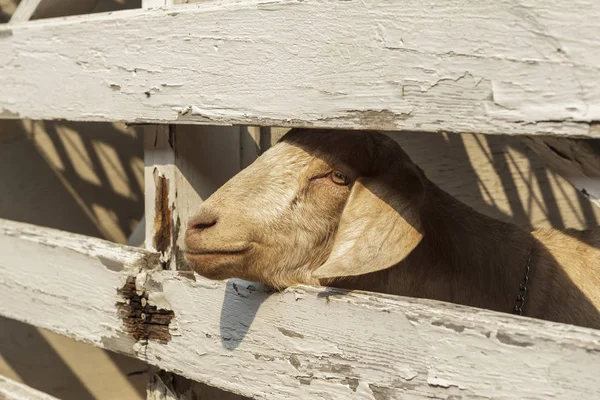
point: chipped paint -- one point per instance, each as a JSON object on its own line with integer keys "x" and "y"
{"x": 290, "y": 333}
{"x": 346, "y": 348}
{"x": 528, "y": 72}
{"x": 512, "y": 341}
{"x": 5, "y": 33}
{"x": 142, "y": 320}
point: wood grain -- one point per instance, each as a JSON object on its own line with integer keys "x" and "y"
{"x": 494, "y": 67}
{"x": 304, "y": 342}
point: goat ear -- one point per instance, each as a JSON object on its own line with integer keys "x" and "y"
{"x": 380, "y": 225}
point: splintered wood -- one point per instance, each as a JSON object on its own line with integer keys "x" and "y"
{"x": 141, "y": 319}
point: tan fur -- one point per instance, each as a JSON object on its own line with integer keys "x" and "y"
{"x": 283, "y": 221}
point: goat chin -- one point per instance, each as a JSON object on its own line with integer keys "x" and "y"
{"x": 352, "y": 207}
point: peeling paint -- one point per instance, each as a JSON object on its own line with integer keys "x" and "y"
{"x": 449, "y": 325}
{"x": 187, "y": 274}
{"x": 404, "y": 79}
{"x": 290, "y": 333}
{"x": 263, "y": 357}
{"x": 148, "y": 262}
{"x": 305, "y": 380}
{"x": 351, "y": 382}
{"x": 142, "y": 320}
{"x": 348, "y": 344}
{"x": 440, "y": 382}
{"x": 295, "y": 361}
{"x": 382, "y": 393}
{"x": 372, "y": 119}
{"x": 5, "y": 33}
{"x": 406, "y": 372}
{"x": 510, "y": 340}
{"x": 344, "y": 369}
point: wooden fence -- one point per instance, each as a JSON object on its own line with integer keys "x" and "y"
{"x": 522, "y": 68}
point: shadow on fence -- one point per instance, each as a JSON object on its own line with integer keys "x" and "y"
{"x": 82, "y": 178}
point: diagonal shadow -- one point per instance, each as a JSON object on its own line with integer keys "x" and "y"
{"x": 240, "y": 304}
{"x": 37, "y": 363}
{"x": 127, "y": 210}
{"x": 33, "y": 193}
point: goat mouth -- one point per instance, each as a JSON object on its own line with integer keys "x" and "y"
{"x": 192, "y": 253}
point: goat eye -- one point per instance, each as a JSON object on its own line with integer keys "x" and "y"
{"x": 340, "y": 179}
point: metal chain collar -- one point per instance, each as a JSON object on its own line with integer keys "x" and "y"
{"x": 518, "y": 309}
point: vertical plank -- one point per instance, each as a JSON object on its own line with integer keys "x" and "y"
{"x": 159, "y": 180}
{"x": 184, "y": 165}
{"x": 37, "y": 9}
{"x": 159, "y": 202}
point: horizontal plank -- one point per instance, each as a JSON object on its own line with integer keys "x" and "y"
{"x": 11, "y": 390}
{"x": 502, "y": 67}
{"x": 304, "y": 342}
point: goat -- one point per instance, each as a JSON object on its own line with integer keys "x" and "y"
{"x": 351, "y": 210}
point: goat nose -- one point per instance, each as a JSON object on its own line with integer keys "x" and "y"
{"x": 202, "y": 221}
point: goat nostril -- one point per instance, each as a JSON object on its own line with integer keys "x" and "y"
{"x": 198, "y": 224}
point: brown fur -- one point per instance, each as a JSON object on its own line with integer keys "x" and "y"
{"x": 283, "y": 221}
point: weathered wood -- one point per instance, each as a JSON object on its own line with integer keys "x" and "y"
{"x": 168, "y": 176}
{"x": 495, "y": 67}
{"x": 160, "y": 171}
{"x": 195, "y": 161}
{"x": 205, "y": 158}
{"x": 11, "y": 390}
{"x": 159, "y": 187}
{"x": 184, "y": 165}
{"x": 301, "y": 343}
{"x": 181, "y": 170}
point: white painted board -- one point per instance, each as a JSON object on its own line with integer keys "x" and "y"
{"x": 504, "y": 67}
{"x": 302, "y": 343}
